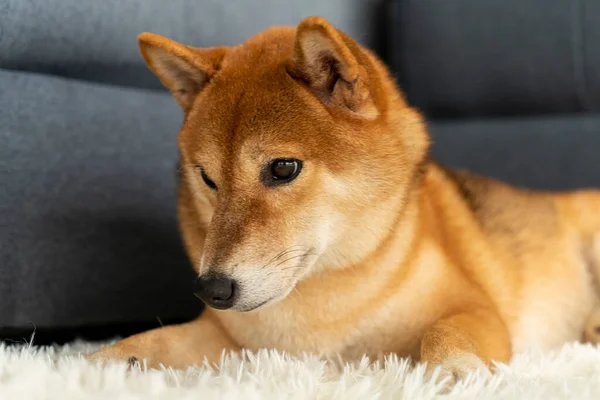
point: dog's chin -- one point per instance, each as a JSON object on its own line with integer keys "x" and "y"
{"x": 253, "y": 298}
{"x": 255, "y": 305}
{"x": 243, "y": 308}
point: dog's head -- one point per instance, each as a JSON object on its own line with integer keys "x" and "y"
{"x": 297, "y": 155}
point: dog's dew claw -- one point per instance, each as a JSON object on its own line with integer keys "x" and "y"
{"x": 133, "y": 361}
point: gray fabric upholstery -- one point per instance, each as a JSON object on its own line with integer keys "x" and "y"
{"x": 498, "y": 57}
{"x": 590, "y": 11}
{"x": 96, "y": 40}
{"x": 555, "y": 153}
{"x": 87, "y": 204}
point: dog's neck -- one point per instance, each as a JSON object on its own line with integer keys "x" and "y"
{"x": 386, "y": 227}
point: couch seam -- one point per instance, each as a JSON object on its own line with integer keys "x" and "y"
{"x": 578, "y": 55}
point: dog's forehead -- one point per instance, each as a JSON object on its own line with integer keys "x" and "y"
{"x": 252, "y": 103}
{"x": 258, "y": 110}
{"x": 253, "y": 106}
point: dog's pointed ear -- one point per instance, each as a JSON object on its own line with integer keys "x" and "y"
{"x": 329, "y": 62}
{"x": 184, "y": 70}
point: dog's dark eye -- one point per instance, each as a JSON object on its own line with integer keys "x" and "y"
{"x": 207, "y": 180}
{"x": 280, "y": 171}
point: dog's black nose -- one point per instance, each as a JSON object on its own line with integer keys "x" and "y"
{"x": 216, "y": 291}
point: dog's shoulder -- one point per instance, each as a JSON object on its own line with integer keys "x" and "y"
{"x": 503, "y": 211}
{"x": 475, "y": 190}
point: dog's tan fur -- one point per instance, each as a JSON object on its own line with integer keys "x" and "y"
{"x": 377, "y": 249}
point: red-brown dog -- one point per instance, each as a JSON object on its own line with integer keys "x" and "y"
{"x": 316, "y": 221}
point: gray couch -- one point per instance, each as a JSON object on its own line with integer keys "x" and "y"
{"x": 88, "y": 235}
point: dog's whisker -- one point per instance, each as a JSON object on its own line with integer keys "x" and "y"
{"x": 305, "y": 254}
{"x": 289, "y": 249}
{"x": 181, "y": 167}
{"x": 281, "y": 254}
{"x": 289, "y": 259}
{"x": 272, "y": 259}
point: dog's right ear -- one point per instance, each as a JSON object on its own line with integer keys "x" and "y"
{"x": 184, "y": 70}
{"x": 328, "y": 61}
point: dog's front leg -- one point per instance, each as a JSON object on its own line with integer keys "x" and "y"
{"x": 465, "y": 342}
{"x": 176, "y": 346}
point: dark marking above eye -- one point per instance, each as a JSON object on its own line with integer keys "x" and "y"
{"x": 280, "y": 171}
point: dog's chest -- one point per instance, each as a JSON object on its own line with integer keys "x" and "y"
{"x": 378, "y": 319}
{"x": 293, "y": 333}
{"x": 285, "y": 331}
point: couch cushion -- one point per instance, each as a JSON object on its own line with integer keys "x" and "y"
{"x": 554, "y": 153}
{"x": 88, "y": 233}
{"x": 497, "y": 57}
{"x": 96, "y": 39}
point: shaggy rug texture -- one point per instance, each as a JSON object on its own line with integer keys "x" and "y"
{"x": 29, "y": 372}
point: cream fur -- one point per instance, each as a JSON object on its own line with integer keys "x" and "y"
{"x": 29, "y": 372}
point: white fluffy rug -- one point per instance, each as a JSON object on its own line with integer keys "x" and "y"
{"x": 28, "y": 372}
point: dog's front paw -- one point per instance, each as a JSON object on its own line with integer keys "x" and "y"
{"x": 458, "y": 367}
{"x": 591, "y": 333}
{"x": 116, "y": 354}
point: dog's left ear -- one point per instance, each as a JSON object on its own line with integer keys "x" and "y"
{"x": 328, "y": 61}
{"x": 184, "y": 70}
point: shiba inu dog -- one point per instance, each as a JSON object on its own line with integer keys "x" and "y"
{"x": 317, "y": 222}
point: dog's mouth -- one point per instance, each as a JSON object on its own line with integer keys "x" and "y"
{"x": 245, "y": 307}
{"x": 245, "y": 294}
{"x": 273, "y": 299}
{"x": 255, "y": 307}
